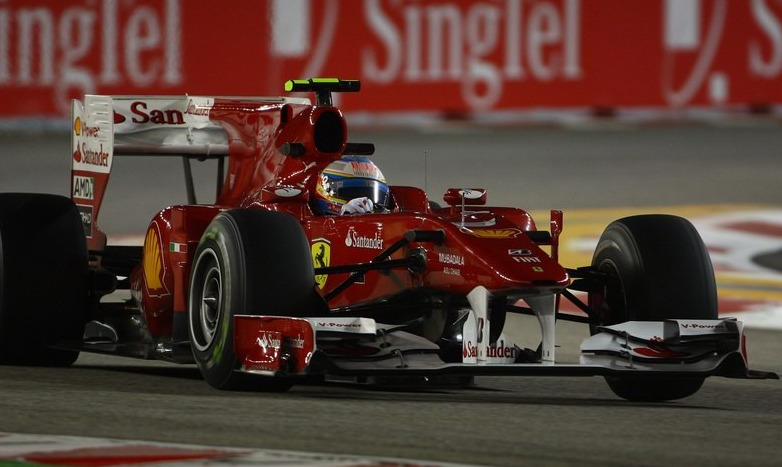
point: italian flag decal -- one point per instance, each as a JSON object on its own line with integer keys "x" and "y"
{"x": 177, "y": 247}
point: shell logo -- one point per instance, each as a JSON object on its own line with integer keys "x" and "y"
{"x": 496, "y": 233}
{"x": 154, "y": 267}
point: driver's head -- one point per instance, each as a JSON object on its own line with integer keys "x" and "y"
{"x": 348, "y": 178}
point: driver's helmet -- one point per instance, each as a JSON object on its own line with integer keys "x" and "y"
{"x": 348, "y": 178}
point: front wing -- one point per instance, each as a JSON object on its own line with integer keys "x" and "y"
{"x": 362, "y": 349}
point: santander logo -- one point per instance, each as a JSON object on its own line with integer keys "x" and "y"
{"x": 355, "y": 240}
{"x": 501, "y": 350}
{"x": 469, "y": 350}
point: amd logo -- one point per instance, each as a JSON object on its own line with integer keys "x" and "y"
{"x": 83, "y": 187}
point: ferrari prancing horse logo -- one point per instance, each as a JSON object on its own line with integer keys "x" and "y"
{"x": 321, "y": 258}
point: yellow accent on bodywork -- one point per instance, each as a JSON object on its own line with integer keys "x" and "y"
{"x": 153, "y": 262}
{"x": 321, "y": 258}
{"x": 289, "y": 84}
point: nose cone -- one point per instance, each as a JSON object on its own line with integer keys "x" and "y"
{"x": 518, "y": 262}
{"x": 498, "y": 259}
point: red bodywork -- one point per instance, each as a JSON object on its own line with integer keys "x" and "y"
{"x": 484, "y": 246}
{"x": 443, "y": 277}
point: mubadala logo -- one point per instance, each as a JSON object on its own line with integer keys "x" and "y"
{"x": 354, "y": 240}
{"x": 448, "y": 258}
{"x": 83, "y": 187}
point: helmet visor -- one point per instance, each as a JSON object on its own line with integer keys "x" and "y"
{"x": 358, "y": 188}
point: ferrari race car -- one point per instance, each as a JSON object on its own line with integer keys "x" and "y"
{"x": 261, "y": 291}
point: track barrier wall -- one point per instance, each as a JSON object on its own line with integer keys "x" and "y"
{"x": 446, "y": 58}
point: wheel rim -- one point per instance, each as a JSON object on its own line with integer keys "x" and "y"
{"x": 206, "y": 301}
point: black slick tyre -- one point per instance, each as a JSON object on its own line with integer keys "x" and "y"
{"x": 657, "y": 268}
{"x": 248, "y": 262}
{"x": 43, "y": 279}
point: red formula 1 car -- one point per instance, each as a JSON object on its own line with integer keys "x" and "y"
{"x": 261, "y": 290}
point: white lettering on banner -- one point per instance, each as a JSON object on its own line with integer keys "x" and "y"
{"x": 771, "y": 27}
{"x": 682, "y": 24}
{"x": 290, "y": 35}
{"x": 706, "y": 51}
{"x": 145, "y": 49}
{"x": 440, "y": 42}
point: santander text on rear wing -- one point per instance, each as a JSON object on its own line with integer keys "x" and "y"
{"x": 105, "y": 126}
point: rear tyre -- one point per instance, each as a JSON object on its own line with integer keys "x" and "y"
{"x": 43, "y": 279}
{"x": 658, "y": 268}
{"x": 248, "y": 262}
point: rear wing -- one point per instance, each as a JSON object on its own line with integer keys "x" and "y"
{"x": 107, "y": 126}
{"x": 150, "y": 125}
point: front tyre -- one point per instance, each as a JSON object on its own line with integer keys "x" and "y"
{"x": 657, "y": 268}
{"x": 248, "y": 262}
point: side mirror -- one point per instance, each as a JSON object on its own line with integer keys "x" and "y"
{"x": 281, "y": 193}
{"x": 465, "y": 197}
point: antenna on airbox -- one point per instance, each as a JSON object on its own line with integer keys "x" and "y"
{"x": 426, "y": 171}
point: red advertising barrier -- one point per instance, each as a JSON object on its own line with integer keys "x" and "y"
{"x": 438, "y": 55}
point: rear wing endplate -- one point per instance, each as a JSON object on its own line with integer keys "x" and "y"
{"x": 106, "y": 126}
